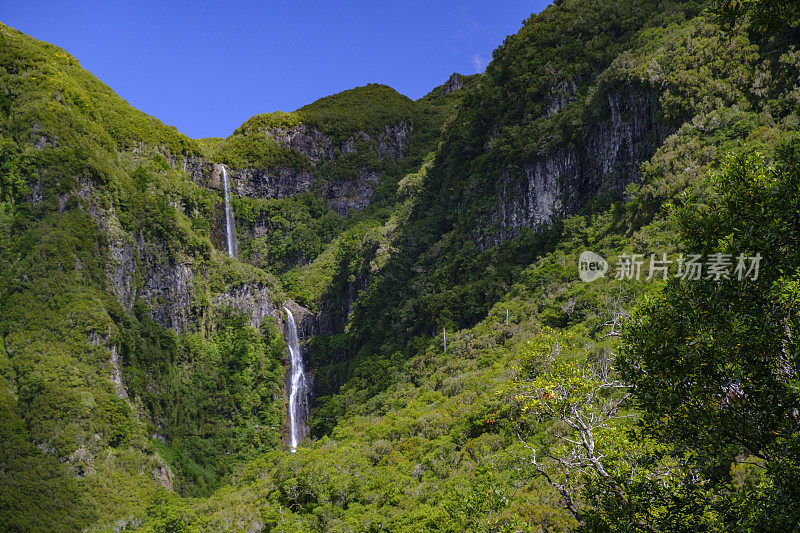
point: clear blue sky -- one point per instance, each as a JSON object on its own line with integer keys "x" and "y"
{"x": 206, "y": 66}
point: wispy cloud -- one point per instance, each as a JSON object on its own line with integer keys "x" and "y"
{"x": 479, "y": 63}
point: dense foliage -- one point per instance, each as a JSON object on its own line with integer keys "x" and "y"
{"x": 466, "y": 379}
{"x": 91, "y": 200}
{"x": 713, "y": 366}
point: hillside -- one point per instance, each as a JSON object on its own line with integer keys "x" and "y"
{"x": 464, "y": 377}
{"x": 136, "y": 354}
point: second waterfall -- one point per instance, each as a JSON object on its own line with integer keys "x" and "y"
{"x": 298, "y": 385}
{"x": 230, "y": 228}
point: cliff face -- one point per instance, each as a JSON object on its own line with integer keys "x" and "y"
{"x": 625, "y": 132}
{"x": 174, "y": 288}
{"x": 342, "y": 195}
{"x": 392, "y": 142}
{"x": 334, "y": 312}
{"x": 348, "y": 191}
{"x": 138, "y": 268}
{"x": 171, "y": 291}
{"x": 455, "y": 83}
{"x": 606, "y": 159}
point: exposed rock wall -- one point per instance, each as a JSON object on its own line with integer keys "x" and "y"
{"x": 251, "y": 298}
{"x": 569, "y": 176}
{"x": 393, "y": 141}
{"x": 455, "y": 83}
{"x": 140, "y": 269}
{"x": 169, "y": 288}
{"x": 311, "y": 142}
{"x": 278, "y": 183}
{"x": 342, "y": 195}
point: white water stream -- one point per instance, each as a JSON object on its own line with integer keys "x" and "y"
{"x": 229, "y": 224}
{"x": 298, "y": 387}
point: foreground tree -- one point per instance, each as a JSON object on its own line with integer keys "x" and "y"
{"x": 713, "y": 364}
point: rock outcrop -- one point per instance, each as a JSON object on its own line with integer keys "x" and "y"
{"x": 343, "y": 194}
{"x": 253, "y": 299}
{"x": 455, "y": 83}
{"x": 570, "y": 175}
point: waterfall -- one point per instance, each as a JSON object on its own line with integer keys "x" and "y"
{"x": 298, "y": 388}
{"x": 230, "y": 228}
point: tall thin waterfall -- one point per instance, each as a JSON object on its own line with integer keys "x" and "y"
{"x": 298, "y": 387}
{"x": 229, "y": 225}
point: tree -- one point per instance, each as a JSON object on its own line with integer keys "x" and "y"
{"x": 713, "y": 365}
{"x": 765, "y": 15}
{"x": 579, "y": 400}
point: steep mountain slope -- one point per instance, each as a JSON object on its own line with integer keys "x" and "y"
{"x": 105, "y": 244}
{"x": 512, "y": 155}
{"x": 421, "y": 437}
{"x": 335, "y": 157}
{"x": 136, "y": 354}
{"x": 429, "y": 250}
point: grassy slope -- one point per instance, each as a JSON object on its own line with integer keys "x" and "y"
{"x": 426, "y": 439}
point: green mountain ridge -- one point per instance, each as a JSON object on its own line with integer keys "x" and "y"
{"x": 465, "y": 379}
{"x": 157, "y": 321}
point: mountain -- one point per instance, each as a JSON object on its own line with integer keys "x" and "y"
{"x": 135, "y": 352}
{"x": 463, "y": 376}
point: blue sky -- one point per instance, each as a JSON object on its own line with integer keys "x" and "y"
{"x": 205, "y": 67}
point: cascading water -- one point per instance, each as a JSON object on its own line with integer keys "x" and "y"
{"x": 230, "y": 228}
{"x": 298, "y": 388}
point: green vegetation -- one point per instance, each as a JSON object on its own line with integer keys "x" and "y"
{"x": 363, "y": 109}
{"x": 281, "y": 233}
{"x": 217, "y": 398}
{"x": 341, "y": 117}
{"x": 442, "y": 277}
{"x": 764, "y": 15}
{"x": 735, "y": 424}
{"x": 343, "y": 131}
{"x": 297, "y": 238}
{"x": 466, "y": 379}
{"x": 92, "y": 209}
{"x": 431, "y": 441}
{"x": 266, "y": 121}
{"x": 259, "y": 151}
{"x": 367, "y": 109}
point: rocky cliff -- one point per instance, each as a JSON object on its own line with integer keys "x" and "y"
{"x": 344, "y": 192}
{"x": 606, "y": 158}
